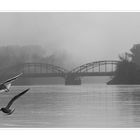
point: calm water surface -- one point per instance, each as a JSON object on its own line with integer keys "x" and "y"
{"x": 88, "y": 105}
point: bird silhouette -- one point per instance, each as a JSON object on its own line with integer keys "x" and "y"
{"x": 7, "y": 109}
{"x": 5, "y": 86}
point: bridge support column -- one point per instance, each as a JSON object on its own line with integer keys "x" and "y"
{"x": 72, "y": 80}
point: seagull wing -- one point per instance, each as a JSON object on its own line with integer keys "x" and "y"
{"x": 15, "y": 97}
{"x": 11, "y": 79}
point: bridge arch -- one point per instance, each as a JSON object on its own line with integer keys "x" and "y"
{"x": 91, "y": 66}
{"x": 41, "y": 68}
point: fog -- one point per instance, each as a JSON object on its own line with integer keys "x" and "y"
{"x": 66, "y": 38}
{"x": 13, "y": 55}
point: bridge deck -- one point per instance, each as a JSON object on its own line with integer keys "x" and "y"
{"x": 94, "y": 74}
{"x": 71, "y": 74}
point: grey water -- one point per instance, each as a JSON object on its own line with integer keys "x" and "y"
{"x": 90, "y": 105}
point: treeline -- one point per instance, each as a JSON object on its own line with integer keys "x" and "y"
{"x": 128, "y": 69}
{"x": 13, "y": 55}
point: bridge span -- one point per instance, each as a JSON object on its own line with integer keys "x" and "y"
{"x": 42, "y": 70}
{"x": 97, "y": 68}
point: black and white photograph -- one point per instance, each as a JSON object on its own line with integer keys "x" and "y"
{"x": 69, "y": 69}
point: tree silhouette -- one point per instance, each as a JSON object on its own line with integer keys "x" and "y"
{"x": 135, "y": 50}
{"x": 128, "y": 69}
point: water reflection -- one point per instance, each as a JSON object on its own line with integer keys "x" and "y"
{"x": 88, "y": 105}
{"x": 129, "y": 101}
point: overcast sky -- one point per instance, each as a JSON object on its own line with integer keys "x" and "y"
{"x": 85, "y": 36}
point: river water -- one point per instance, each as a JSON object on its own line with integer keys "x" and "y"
{"x": 59, "y": 106}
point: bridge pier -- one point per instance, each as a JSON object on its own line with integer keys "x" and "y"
{"x": 72, "y": 80}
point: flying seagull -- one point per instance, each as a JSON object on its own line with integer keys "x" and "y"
{"x": 5, "y": 86}
{"x": 7, "y": 109}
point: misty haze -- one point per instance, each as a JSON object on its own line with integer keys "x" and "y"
{"x": 76, "y": 69}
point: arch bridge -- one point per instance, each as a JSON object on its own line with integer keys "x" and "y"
{"x": 97, "y": 68}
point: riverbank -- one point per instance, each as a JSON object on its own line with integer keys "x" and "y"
{"x": 126, "y": 73}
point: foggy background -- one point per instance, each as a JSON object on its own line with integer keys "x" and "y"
{"x": 66, "y": 39}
